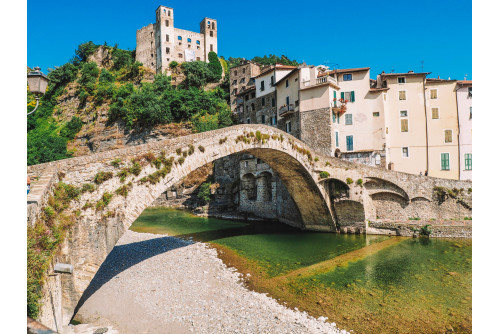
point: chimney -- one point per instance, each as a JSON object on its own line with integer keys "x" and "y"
{"x": 411, "y": 72}
{"x": 438, "y": 76}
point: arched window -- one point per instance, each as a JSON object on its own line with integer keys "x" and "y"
{"x": 168, "y": 13}
{"x": 213, "y": 25}
{"x": 166, "y": 23}
{"x": 167, "y": 38}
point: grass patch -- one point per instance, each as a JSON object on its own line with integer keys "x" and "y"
{"x": 100, "y": 177}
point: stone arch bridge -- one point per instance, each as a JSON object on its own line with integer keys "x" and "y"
{"x": 331, "y": 194}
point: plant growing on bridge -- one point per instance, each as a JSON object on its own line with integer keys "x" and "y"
{"x": 316, "y": 159}
{"x": 181, "y": 160}
{"x": 191, "y": 149}
{"x": 201, "y": 148}
{"x": 359, "y": 182}
{"x": 88, "y": 187}
{"x": 116, "y": 162}
{"x": 222, "y": 141}
{"x": 204, "y": 192}
{"x": 123, "y": 190}
{"x": 87, "y": 205}
{"x": 348, "y": 180}
{"x": 178, "y": 151}
{"x": 100, "y": 177}
{"x": 327, "y": 164}
{"x": 324, "y": 175}
{"x": 104, "y": 201}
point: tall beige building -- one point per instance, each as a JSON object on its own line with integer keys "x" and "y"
{"x": 160, "y": 43}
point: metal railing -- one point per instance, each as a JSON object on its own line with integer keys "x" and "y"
{"x": 286, "y": 108}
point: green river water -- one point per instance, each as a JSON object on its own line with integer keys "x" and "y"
{"x": 366, "y": 284}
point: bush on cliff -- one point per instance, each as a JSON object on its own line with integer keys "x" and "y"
{"x": 214, "y": 65}
{"x": 204, "y": 192}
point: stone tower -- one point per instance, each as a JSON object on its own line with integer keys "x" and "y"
{"x": 164, "y": 38}
{"x": 208, "y": 28}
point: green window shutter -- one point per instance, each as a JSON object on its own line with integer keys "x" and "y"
{"x": 352, "y": 96}
{"x": 445, "y": 161}
{"x": 334, "y": 94}
{"x": 342, "y": 95}
{"x": 336, "y": 139}
{"x": 468, "y": 161}
{"x": 333, "y": 117}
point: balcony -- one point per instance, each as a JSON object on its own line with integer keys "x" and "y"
{"x": 286, "y": 109}
{"x": 319, "y": 81}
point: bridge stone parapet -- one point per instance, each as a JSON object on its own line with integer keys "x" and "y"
{"x": 373, "y": 193}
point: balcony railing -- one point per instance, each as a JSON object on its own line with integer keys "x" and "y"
{"x": 286, "y": 109}
{"x": 320, "y": 81}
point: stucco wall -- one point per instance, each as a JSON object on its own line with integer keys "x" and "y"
{"x": 465, "y": 123}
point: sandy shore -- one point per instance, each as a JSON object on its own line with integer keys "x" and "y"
{"x": 159, "y": 284}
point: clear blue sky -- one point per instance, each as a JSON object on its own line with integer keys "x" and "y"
{"x": 382, "y": 35}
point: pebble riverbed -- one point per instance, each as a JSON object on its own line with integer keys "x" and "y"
{"x": 160, "y": 284}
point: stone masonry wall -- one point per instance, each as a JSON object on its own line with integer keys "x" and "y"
{"x": 319, "y": 137}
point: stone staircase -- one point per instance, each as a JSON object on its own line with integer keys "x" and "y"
{"x": 38, "y": 196}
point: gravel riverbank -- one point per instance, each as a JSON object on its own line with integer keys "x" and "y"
{"x": 160, "y": 284}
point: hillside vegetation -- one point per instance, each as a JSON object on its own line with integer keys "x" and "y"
{"x": 126, "y": 93}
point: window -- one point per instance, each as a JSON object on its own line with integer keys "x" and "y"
{"x": 180, "y": 55}
{"x": 197, "y": 58}
{"x": 468, "y": 161}
{"x": 211, "y": 47}
{"x": 262, "y": 85}
{"x": 435, "y": 113}
{"x": 246, "y": 108}
{"x": 336, "y": 139}
{"x": 273, "y": 102}
{"x": 273, "y": 120}
{"x": 208, "y": 23}
{"x": 167, "y": 38}
{"x": 234, "y": 82}
{"x": 168, "y": 13}
{"x": 211, "y": 33}
{"x": 448, "y": 136}
{"x": 235, "y": 72}
{"x": 401, "y": 80}
{"x": 402, "y": 95}
{"x": 253, "y": 107}
{"x": 189, "y": 40}
{"x": 179, "y": 38}
{"x": 333, "y": 117}
{"x": 405, "y": 152}
{"x": 286, "y": 83}
{"x": 252, "y": 95}
{"x": 470, "y": 92}
{"x": 349, "y": 143}
{"x": 347, "y": 96}
{"x": 246, "y": 163}
{"x": 244, "y": 70}
{"x": 377, "y": 159}
{"x": 470, "y": 112}
{"x": 246, "y": 97}
{"x": 234, "y": 91}
{"x": 152, "y": 55}
{"x": 263, "y": 119}
{"x": 213, "y": 25}
{"x": 347, "y": 77}
{"x": 434, "y": 94}
{"x": 348, "y": 119}
{"x": 272, "y": 80}
{"x": 166, "y": 23}
{"x": 242, "y": 80}
{"x": 287, "y": 100}
{"x": 288, "y": 127}
{"x": 404, "y": 125}
{"x": 167, "y": 50}
{"x": 262, "y": 101}
{"x": 198, "y": 42}
{"x": 445, "y": 161}
{"x": 403, "y": 113}
{"x": 248, "y": 120}
{"x": 376, "y": 114}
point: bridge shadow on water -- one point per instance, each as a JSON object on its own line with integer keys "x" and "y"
{"x": 126, "y": 256}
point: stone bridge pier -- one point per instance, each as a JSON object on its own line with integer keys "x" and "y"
{"x": 331, "y": 195}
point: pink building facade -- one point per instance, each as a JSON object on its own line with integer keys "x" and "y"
{"x": 464, "y": 107}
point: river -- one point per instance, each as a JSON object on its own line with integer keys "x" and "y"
{"x": 370, "y": 284}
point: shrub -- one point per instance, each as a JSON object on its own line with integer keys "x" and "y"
{"x": 222, "y": 140}
{"x": 181, "y": 160}
{"x": 348, "y": 180}
{"x": 102, "y": 176}
{"x": 87, "y": 205}
{"x": 85, "y": 50}
{"x": 323, "y": 175}
{"x": 316, "y": 159}
{"x": 71, "y": 128}
{"x": 359, "y": 182}
{"x": 426, "y": 230}
{"x": 214, "y": 65}
{"x": 328, "y": 164}
{"x": 201, "y": 148}
{"x": 178, "y": 151}
{"x": 191, "y": 149}
{"x": 204, "y": 192}
{"x": 173, "y": 64}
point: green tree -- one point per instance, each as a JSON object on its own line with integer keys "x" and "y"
{"x": 214, "y": 65}
{"x": 71, "y": 128}
{"x": 85, "y": 50}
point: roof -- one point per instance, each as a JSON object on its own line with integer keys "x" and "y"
{"x": 276, "y": 67}
{"x": 286, "y": 76}
{"x": 246, "y": 90}
{"x": 439, "y": 80}
{"x": 344, "y": 70}
{"x": 403, "y": 74}
{"x": 373, "y": 90}
{"x": 464, "y": 82}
